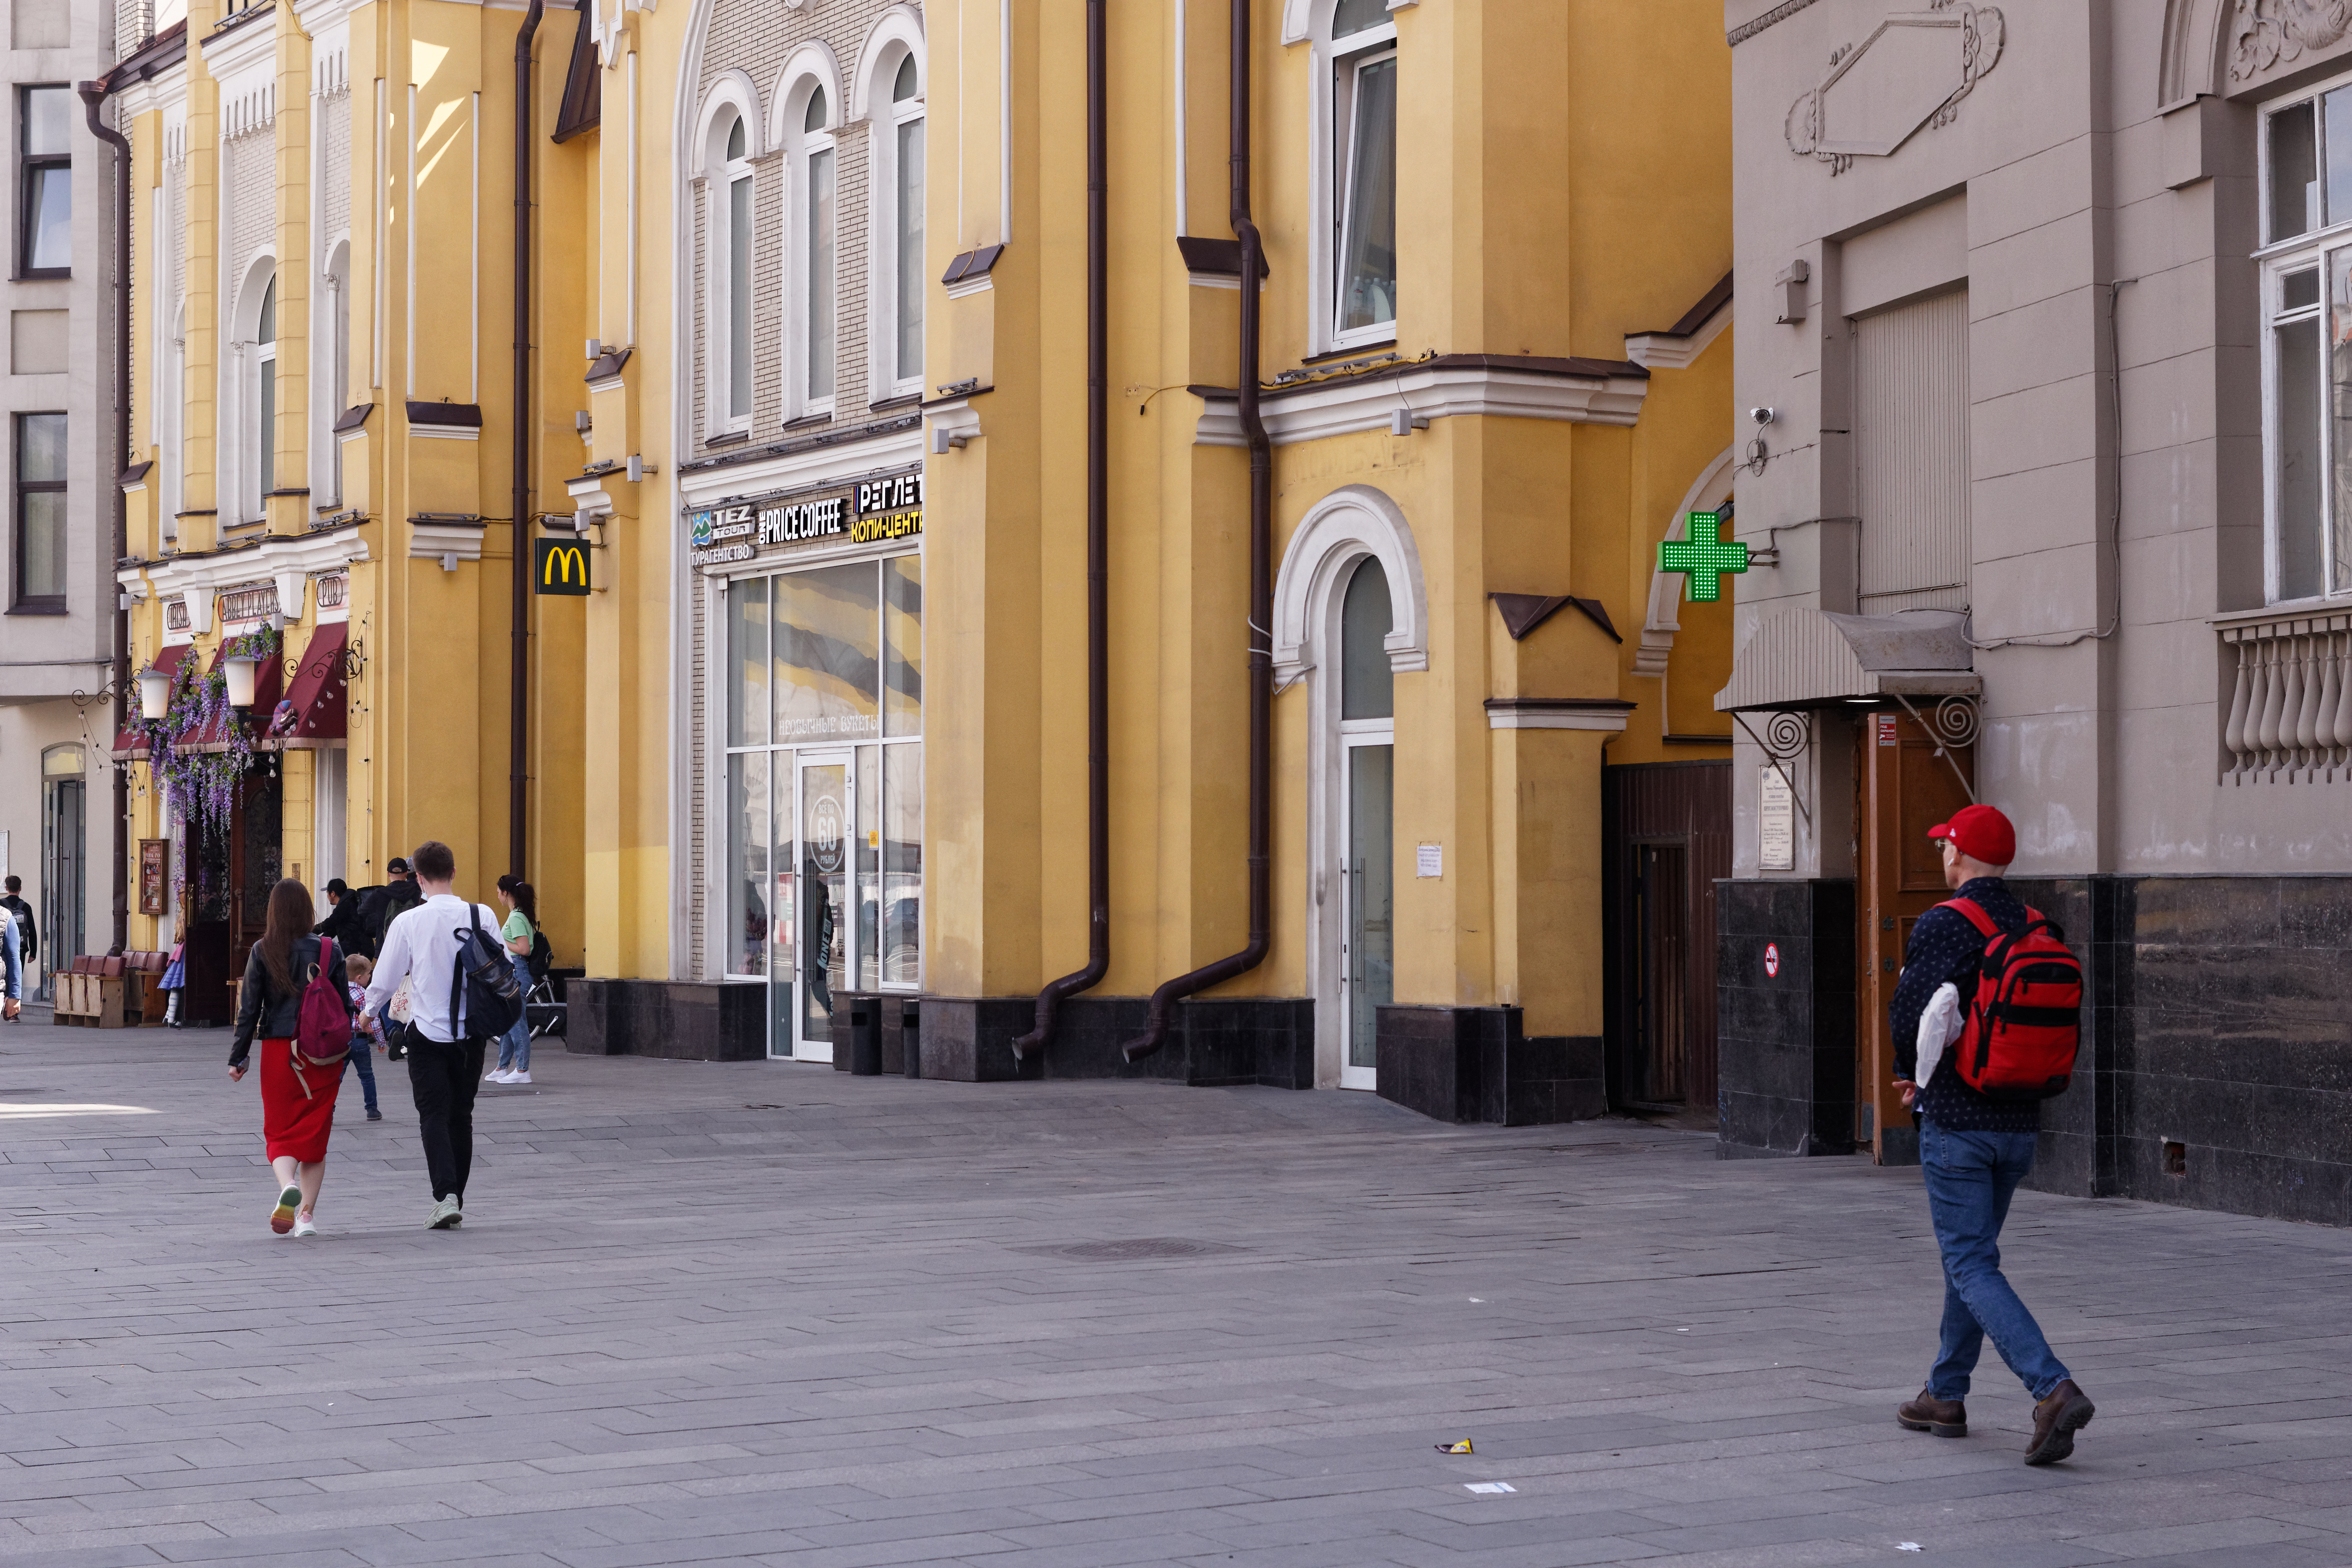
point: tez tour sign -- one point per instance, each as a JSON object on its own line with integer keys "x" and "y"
{"x": 1704, "y": 555}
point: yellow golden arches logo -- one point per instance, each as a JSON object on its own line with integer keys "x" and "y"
{"x": 560, "y": 566}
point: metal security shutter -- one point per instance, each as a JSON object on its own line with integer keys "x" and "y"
{"x": 1911, "y": 447}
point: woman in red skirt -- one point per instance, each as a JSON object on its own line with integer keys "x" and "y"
{"x": 298, "y": 1096}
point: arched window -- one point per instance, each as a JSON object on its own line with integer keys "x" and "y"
{"x": 1363, "y": 172}
{"x": 907, "y": 218}
{"x": 263, "y": 445}
{"x": 1367, "y": 681}
{"x": 736, "y": 334}
{"x": 816, "y": 255}
{"x": 335, "y": 362}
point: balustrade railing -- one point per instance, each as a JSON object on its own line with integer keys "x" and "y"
{"x": 2291, "y": 709}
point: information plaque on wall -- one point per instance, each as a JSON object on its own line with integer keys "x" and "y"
{"x": 1776, "y": 821}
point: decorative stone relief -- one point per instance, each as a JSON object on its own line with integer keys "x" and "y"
{"x": 1912, "y": 73}
{"x": 2267, "y": 33}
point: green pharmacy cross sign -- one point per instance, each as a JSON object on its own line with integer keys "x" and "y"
{"x": 1704, "y": 555}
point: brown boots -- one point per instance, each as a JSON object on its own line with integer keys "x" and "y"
{"x": 2056, "y": 1420}
{"x": 1944, "y": 1417}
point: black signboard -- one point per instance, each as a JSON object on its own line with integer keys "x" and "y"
{"x": 560, "y": 566}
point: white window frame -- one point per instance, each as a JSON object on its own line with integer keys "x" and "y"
{"x": 719, "y": 227}
{"x": 806, "y": 144}
{"x": 889, "y": 118}
{"x": 2277, "y": 259}
{"x": 239, "y": 440}
{"x": 1330, "y": 146}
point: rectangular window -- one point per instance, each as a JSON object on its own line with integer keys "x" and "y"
{"x": 738, "y": 297}
{"x": 828, "y": 631}
{"x": 820, "y": 276}
{"x": 1368, "y": 219}
{"x": 40, "y": 513}
{"x": 2306, "y": 295}
{"x": 44, "y": 182}
{"x": 746, "y": 937}
{"x": 910, "y": 251}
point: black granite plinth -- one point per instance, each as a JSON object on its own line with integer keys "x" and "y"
{"x": 1785, "y": 1045}
{"x": 1473, "y": 1064}
{"x": 683, "y": 1020}
{"x": 1211, "y": 1042}
{"x": 968, "y": 1040}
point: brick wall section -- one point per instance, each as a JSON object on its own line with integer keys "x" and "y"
{"x": 756, "y": 37}
{"x": 335, "y": 130}
{"x": 252, "y": 203}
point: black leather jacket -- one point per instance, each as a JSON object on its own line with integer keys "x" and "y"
{"x": 265, "y": 1011}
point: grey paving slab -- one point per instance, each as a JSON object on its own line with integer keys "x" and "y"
{"x": 760, "y": 1313}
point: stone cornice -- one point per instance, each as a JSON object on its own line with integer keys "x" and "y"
{"x": 1577, "y": 391}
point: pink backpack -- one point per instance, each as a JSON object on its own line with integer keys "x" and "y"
{"x": 322, "y": 1030}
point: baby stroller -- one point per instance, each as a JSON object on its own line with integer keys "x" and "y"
{"x": 542, "y": 1011}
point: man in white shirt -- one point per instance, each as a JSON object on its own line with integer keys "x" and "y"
{"x": 444, "y": 1059}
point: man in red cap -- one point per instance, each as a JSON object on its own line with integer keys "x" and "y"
{"x": 1974, "y": 1150}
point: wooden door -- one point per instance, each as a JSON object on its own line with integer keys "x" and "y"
{"x": 1662, "y": 998}
{"x": 1666, "y": 842}
{"x": 1905, "y": 785}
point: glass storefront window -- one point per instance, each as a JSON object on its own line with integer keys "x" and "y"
{"x": 824, "y": 766}
{"x": 747, "y": 664}
{"x": 902, "y": 647}
{"x": 748, "y": 911}
{"x": 828, "y": 639}
{"x": 902, "y": 865}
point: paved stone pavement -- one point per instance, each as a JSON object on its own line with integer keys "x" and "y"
{"x": 772, "y": 1314}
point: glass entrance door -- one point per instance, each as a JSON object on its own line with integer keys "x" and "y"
{"x": 824, "y": 935}
{"x": 1367, "y": 940}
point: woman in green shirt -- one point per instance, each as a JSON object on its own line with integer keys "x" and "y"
{"x": 522, "y": 924}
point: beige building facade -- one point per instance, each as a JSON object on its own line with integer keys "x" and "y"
{"x": 2043, "y": 306}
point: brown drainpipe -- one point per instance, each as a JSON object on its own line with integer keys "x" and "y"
{"x": 1049, "y": 1000}
{"x": 1261, "y": 609}
{"x": 93, "y": 97}
{"x": 519, "y": 655}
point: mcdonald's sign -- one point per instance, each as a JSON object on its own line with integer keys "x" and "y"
{"x": 560, "y": 566}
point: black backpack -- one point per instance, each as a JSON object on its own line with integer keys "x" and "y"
{"x": 486, "y": 970}
{"x": 542, "y": 956}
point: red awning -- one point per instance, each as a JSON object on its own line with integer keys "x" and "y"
{"x": 128, "y": 745}
{"x": 313, "y": 709}
{"x": 268, "y": 680}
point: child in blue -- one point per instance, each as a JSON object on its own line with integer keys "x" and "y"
{"x": 367, "y": 1034}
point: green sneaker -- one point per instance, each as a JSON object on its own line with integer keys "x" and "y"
{"x": 281, "y": 1218}
{"x": 446, "y": 1216}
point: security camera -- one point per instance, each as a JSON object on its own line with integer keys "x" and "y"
{"x": 1762, "y": 416}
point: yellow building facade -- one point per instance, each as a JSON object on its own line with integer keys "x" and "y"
{"x": 1495, "y": 373}
{"x": 807, "y": 769}
{"x": 323, "y": 434}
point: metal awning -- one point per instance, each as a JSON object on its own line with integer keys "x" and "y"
{"x": 1810, "y": 658}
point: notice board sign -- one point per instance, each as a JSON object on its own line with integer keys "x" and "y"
{"x": 1776, "y": 821}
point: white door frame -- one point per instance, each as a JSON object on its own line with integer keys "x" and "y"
{"x": 844, "y": 757}
{"x": 1353, "y": 733}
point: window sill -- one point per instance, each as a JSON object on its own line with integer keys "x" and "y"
{"x": 809, "y": 421}
{"x": 728, "y": 438}
{"x": 43, "y": 607}
{"x": 1351, "y": 352}
{"x": 43, "y": 275}
{"x": 897, "y": 400}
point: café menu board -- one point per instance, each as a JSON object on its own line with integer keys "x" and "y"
{"x": 875, "y": 512}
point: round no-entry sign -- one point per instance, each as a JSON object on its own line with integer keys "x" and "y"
{"x": 1772, "y": 959}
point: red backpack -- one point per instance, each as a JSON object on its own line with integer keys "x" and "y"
{"x": 2024, "y": 1025}
{"x": 323, "y": 1029}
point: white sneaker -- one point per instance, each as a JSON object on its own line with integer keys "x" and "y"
{"x": 495, "y": 1075}
{"x": 303, "y": 1225}
{"x": 518, "y": 1076}
{"x": 446, "y": 1216}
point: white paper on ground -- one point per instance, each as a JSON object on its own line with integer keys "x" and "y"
{"x": 1490, "y": 1486}
{"x": 1939, "y": 1026}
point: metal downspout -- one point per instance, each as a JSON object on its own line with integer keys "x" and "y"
{"x": 519, "y": 657}
{"x": 1261, "y": 604}
{"x": 1098, "y": 964}
{"x": 93, "y": 97}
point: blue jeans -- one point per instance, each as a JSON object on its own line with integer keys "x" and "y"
{"x": 360, "y": 1049}
{"x": 1970, "y": 1178}
{"x": 514, "y": 1046}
